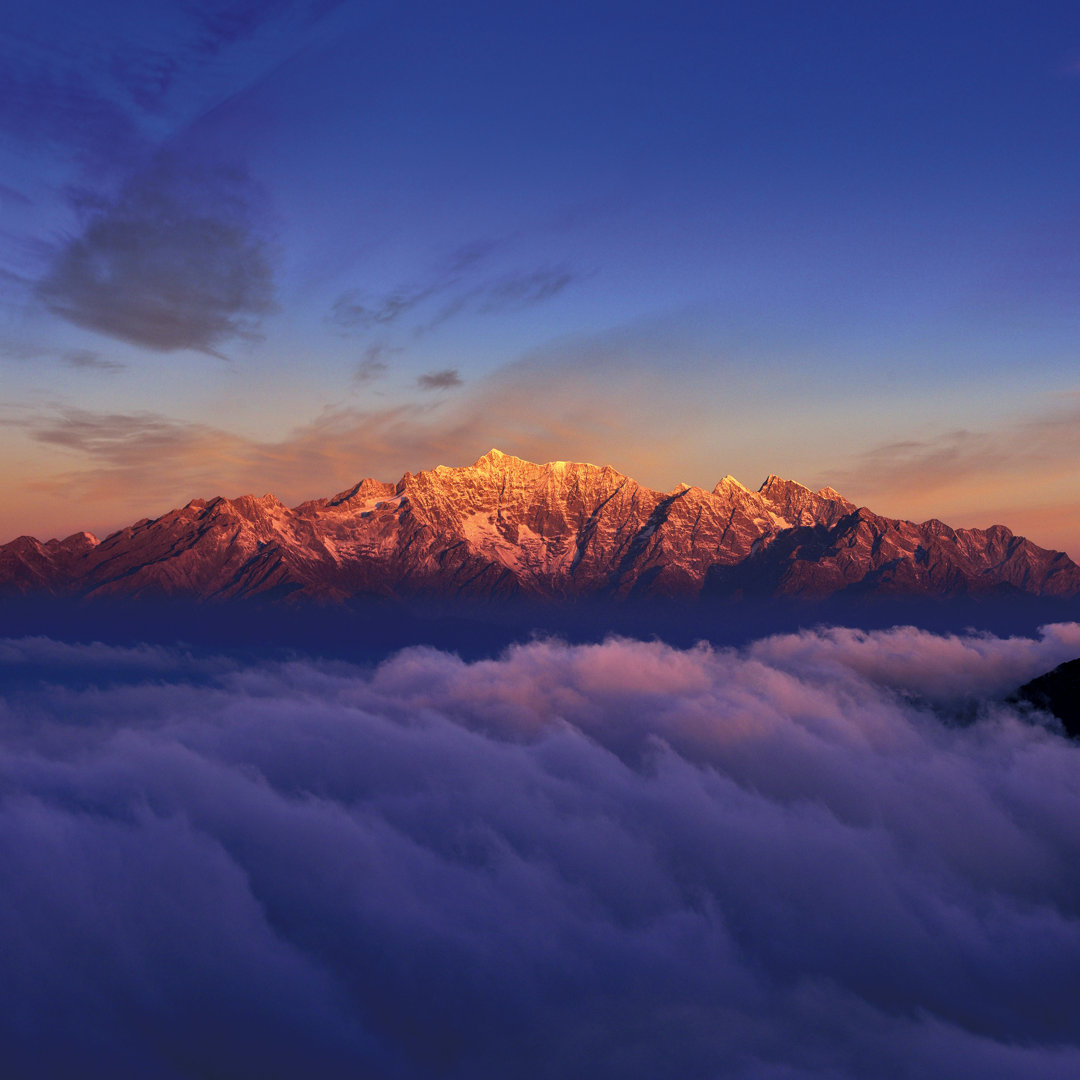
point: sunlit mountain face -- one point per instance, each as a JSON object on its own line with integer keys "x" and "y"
{"x": 504, "y": 527}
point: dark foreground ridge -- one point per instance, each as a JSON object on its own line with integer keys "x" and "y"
{"x": 507, "y": 529}
{"x": 1058, "y": 692}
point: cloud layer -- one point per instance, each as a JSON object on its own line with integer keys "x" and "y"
{"x": 828, "y": 855}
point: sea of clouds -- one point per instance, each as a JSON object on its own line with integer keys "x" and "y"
{"x": 832, "y": 854}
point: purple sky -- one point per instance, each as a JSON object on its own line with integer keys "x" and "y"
{"x": 283, "y": 246}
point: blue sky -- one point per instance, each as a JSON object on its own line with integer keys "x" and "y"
{"x": 282, "y": 246}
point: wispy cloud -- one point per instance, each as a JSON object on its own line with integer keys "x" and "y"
{"x": 359, "y": 309}
{"x": 220, "y": 25}
{"x": 354, "y": 309}
{"x": 120, "y": 439}
{"x": 463, "y": 282}
{"x": 86, "y": 84}
{"x": 22, "y": 350}
{"x": 1022, "y": 473}
{"x": 1039, "y": 447}
{"x": 80, "y": 359}
{"x": 521, "y": 290}
{"x": 128, "y": 465}
{"x": 372, "y": 364}
{"x": 87, "y": 360}
{"x": 145, "y": 75}
{"x": 62, "y": 107}
{"x": 17, "y": 198}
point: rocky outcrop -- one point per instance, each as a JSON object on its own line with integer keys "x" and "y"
{"x": 506, "y": 527}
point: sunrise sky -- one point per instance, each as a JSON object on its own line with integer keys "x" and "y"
{"x": 282, "y": 246}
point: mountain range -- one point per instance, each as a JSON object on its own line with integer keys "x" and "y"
{"x": 504, "y": 527}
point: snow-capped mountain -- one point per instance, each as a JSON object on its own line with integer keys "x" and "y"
{"x": 506, "y": 527}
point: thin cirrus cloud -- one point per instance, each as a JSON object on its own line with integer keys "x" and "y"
{"x": 461, "y": 283}
{"x": 520, "y": 290}
{"x": 129, "y": 465}
{"x": 80, "y": 359}
{"x": 112, "y": 437}
{"x": 175, "y": 262}
{"x": 92, "y": 86}
{"x": 219, "y": 26}
{"x": 619, "y": 860}
{"x": 513, "y": 291}
{"x": 88, "y": 360}
{"x": 11, "y": 195}
{"x": 372, "y": 364}
{"x": 357, "y": 309}
{"x": 134, "y": 461}
{"x": 64, "y": 109}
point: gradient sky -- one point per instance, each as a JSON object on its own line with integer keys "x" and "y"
{"x": 281, "y": 246}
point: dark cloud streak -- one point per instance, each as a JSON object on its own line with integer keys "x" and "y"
{"x": 175, "y": 262}
{"x": 119, "y": 439}
{"x": 515, "y": 291}
{"x": 447, "y": 379}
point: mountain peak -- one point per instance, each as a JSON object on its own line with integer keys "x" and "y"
{"x": 728, "y": 482}
{"x": 774, "y": 481}
{"x": 494, "y": 460}
{"x": 494, "y": 457}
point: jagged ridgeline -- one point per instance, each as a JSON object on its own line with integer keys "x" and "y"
{"x": 504, "y": 527}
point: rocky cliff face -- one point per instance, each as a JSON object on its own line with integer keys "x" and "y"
{"x": 506, "y": 527}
